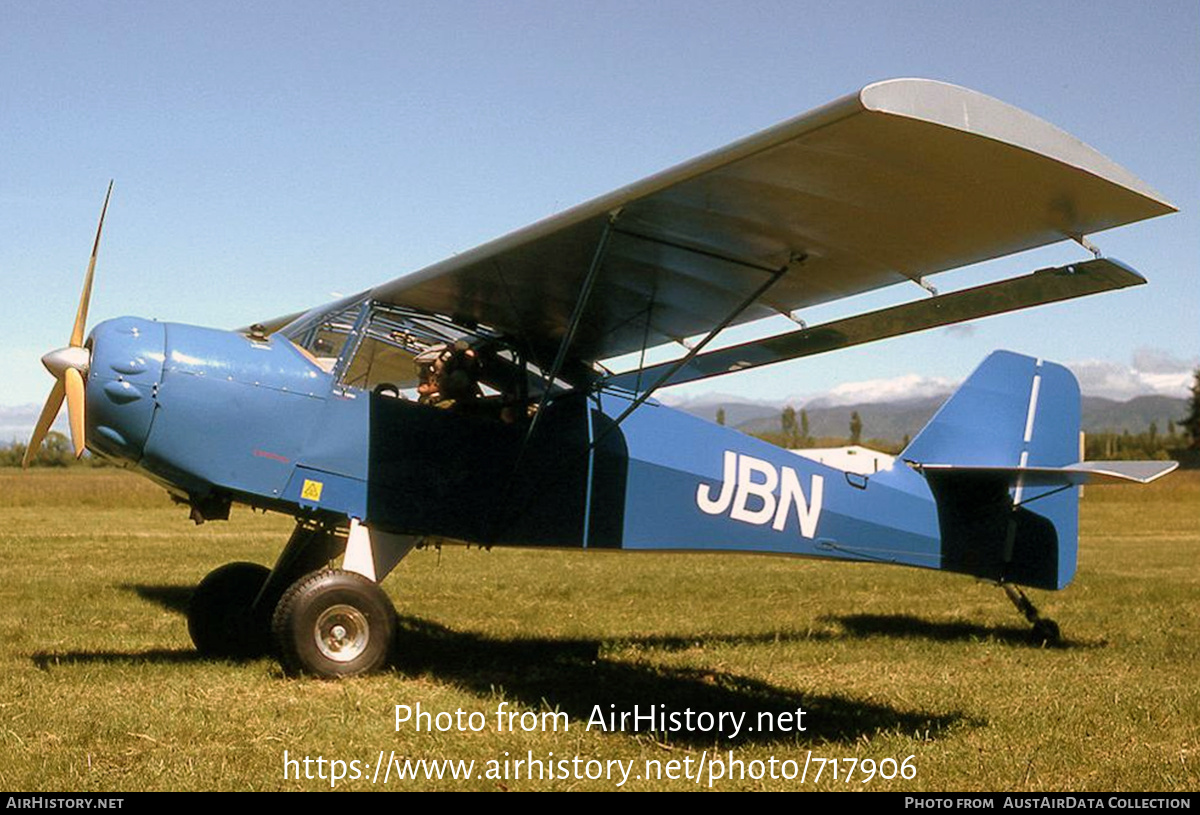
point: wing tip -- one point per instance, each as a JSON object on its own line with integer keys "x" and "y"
{"x": 961, "y": 108}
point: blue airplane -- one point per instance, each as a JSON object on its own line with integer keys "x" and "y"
{"x": 476, "y": 399}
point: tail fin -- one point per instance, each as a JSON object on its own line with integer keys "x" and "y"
{"x": 1015, "y": 415}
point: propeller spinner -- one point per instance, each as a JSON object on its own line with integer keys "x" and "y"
{"x": 69, "y": 366}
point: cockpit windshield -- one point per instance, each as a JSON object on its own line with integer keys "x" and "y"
{"x": 410, "y": 354}
{"x": 323, "y": 332}
{"x": 396, "y": 343}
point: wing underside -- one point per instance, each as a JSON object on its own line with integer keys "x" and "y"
{"x": 902, "y": 180}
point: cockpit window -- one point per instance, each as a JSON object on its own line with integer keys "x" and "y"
{"x": 386, "y": 356}
{"x": 409, "y": 354}
{"x": 396, "y": 347}
{"x": 323, "y": 333}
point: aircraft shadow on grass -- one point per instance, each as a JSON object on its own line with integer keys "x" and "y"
{"x": 47, "y": 660}
{"x": 171, "y": 597}
{"x": 905, "y": 626}
{"x": 574, "y": 676}
{"x": 854, "y": 626}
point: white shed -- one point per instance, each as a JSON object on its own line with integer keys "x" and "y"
{"x": 853, "y": 458}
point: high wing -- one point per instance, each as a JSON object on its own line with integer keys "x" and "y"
{"x": 902, "y": 180}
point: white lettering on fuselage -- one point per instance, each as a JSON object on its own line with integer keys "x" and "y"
{"x": 747, "y": 478}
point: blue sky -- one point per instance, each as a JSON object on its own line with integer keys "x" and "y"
{"x": 269, "y": 155}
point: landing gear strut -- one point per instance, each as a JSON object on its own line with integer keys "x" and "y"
{"x": 328, "y": 623}
{"x": 1045, "y": 630}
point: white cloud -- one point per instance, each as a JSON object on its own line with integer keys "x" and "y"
{"x": 16, "y": 422}
{"x": 1152, "y": 372}
{"x": 1157, "y": 361}
{"x": 1115, "y": 381}
{"x": 961, "y": 330}
{"x": 685, "y": 399}
{"x": 893, "y": 389}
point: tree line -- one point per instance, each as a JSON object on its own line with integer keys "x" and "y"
{"x": 794, "y": 433}
{"x": 1175, "y": 439}
{"x": 56, "y": 452}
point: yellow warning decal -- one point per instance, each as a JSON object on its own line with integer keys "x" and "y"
{"x": 311, "y": 491}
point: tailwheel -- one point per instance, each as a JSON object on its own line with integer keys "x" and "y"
{"x": 1045, "y": 631}
{"x": 221, "y": 616}
{"x": 333, "y": 624}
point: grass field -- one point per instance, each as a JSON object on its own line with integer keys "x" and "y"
{"x": 101, "y": 690}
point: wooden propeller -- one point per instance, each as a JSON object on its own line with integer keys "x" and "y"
{"x": 69, "y": 367}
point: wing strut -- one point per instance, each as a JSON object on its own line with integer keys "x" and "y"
{"x": 1033, "y": 289}
{"x": 775, "y": 277}
{"x": 1088, "y": 245}
{"x": 560, "y": 357}
{"x": 585, "y": 294}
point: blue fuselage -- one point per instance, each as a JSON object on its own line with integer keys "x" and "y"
{"x": 215, "y": 413}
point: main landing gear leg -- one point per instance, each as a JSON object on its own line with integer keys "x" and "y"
{"x": 338, "y": 622}
{"x": 1045, "y": 630}
{"x": 323, "y": 622}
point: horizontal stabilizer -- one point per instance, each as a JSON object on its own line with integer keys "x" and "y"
{"x": 1033, "y": 289}
{"x": 1085, "y": 472}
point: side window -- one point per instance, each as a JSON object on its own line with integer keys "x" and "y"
{"x": 326, "y": 346}
{"x": 383, "y": 361}
{"x": 386, "y": 353}
{"x": 423, "y": 357}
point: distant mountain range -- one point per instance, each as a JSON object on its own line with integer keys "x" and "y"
{"x": 892, "y": 421}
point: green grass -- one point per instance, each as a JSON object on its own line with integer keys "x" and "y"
{"x": 101, "y": 690}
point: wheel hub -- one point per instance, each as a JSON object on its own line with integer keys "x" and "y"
{"x": 342, "y": 633}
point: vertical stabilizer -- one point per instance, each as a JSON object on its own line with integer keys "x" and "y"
{"x": 1013, "y": 412}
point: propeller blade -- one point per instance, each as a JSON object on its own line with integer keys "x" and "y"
{"x": 75, "y": 406}
{"x": 86, "y": 296}
{"x": 49, "y": 412}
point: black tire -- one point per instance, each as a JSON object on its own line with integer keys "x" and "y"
{"x": 1045, "y": 632}
{"x": 331, "y": 624}
{"x": 220, "y": 621}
